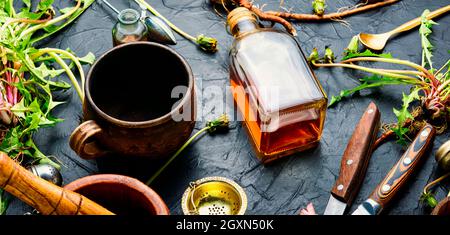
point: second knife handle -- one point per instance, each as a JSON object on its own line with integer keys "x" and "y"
{"x": 403, "y": 169}
{"x": 357, "y": 155}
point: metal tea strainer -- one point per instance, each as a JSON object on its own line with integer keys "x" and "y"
{"x": 214, "y": 196}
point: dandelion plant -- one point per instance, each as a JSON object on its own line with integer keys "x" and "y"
{"x": 29, "y": 75}
{"x": 428, "y": 85}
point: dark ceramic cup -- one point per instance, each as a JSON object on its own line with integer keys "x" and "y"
{"x": 129, "y": 107}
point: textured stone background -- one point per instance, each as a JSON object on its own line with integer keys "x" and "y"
{"x": 292, "y": 182}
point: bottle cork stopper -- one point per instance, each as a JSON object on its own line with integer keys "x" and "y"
{"x": 239, "y": 14}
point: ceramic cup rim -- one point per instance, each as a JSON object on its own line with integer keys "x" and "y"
{"x": 148, "y": 193}
{"x": 150, "y": 122}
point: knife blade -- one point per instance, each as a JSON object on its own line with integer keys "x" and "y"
{"x": 398, "y": 175}
{"x": 354, "y": 162}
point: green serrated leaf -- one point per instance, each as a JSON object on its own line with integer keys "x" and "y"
{"x": 39, "y": 75}
{"x": 32, "y": 123}
{"x": 23, "y": 91}
{"x": 11, "y": 141}
{"x": 425, "y": 31}
{"x": 50, "y": 28}
{"x": 52, "y": 104}
{"x": 27, "y": 3}
{"x": 86, "y": 4}
{"x": 366, "y": 53}
{"x": 8, "y": 7}
{"x": 44, "y": 4}
{"x": 65, "y": 10}
{"x": 368, "y": 83}
{"x": 45, "y": 71}
{"x": 37, "y": 154}
{"x": 400, "y": 133}
{"x": 19, "y": 109}
{"x": 87, "y": 59}
{"x": 4, "y": 202}
{"x": 403, "y": 115}
{"x": 29, "y": 15}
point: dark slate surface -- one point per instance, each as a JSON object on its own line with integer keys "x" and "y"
{"x": 292, "y": 182}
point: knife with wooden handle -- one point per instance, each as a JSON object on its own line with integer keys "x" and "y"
{"x": 354, "y": 162}
{"x": 398, "y": 175}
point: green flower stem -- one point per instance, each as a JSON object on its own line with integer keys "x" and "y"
{"x": 395, "y": 61}
{"x": 72, "y": 77}
{"x": 445, "y": 94}
{"x": 207, "y": 44}
{"x": 50, "y": 22}
{"x": 68, "y": 55}
{"x": 8, "y": 23}
{"x": 24, "y": 22}
{"x": 410, "y": 72}
{"x": 174, "y": 27}
{"x": 443, "y": 66}
{"x": 371, "y": 70}
{"x": 442, "y": 86}
{"x": 67, "y": 22}
{"x": 150, "y": 181}
{"x": 11, "y": 8}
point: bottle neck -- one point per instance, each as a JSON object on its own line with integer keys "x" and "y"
{"x": 128, "y": 17}
{"x": 244, "y": 26}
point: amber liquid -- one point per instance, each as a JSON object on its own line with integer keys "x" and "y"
{"x": 287, "y": 139}
{"x": 282, "y": 103}
{"x": 129, "y": 38}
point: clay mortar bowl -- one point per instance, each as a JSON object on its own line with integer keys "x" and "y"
{"x": 120, "y": 194}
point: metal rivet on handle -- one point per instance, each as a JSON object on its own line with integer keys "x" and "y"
{"x": 424, "y": 133}
{"x": 340, "y": 187}
{"x": 349, "y": 162}
{"x": 386, "y": 188}
{"x": 407, "y": 160}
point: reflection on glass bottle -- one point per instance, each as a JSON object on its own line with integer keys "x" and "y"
{"x": 280, "y": 99}
{"x": 129, "y": 28}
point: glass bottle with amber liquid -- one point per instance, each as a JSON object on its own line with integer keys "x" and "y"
{"x": 129, "y": 28}
{"x": 281, "y": 101}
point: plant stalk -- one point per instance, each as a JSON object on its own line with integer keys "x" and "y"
{"x": 174, "y": 27}
{"x": 396, "y": 61}
{"x": 371, "y": 70}
{"x": 70, "y": 56}
{"x": 150, "y": 181}
{"x": 50, "y": 22}
{"x": 72, "y": 77}
{"x": 443, "y": 66}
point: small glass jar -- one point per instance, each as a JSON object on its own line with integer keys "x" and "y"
{"x": 129, "y": 28}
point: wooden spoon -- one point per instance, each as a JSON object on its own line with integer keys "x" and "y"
{"x": 378, "y": 41}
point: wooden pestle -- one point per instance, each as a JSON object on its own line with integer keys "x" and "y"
{"x": 42, "y": 195}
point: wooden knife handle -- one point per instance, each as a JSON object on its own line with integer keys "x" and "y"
{"x": 403, "y": 169}
{"x": 357, "y": 155}
{"x": 42, "y": 195}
